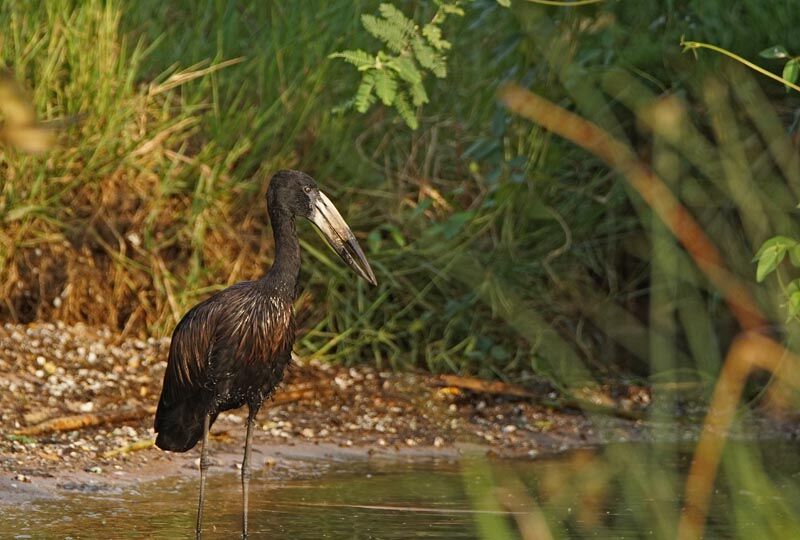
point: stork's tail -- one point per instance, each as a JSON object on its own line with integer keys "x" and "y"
{"x": 180, "y": 425}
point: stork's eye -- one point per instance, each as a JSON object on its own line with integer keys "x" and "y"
{"x": 307, "y": 189}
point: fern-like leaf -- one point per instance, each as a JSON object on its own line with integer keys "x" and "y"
{"x": 387, "y": 32}
{"x": 406, "y": 68}
{"x": 364, "y": 96}
{"x": 424, "y": 54}
{"x": 451, "y": 9}
{"x": 434, "y": 36}
{"x": 440, "y": 67}
{"x": 385, "y": 85}
{"x": 361, "y": 59}
{"x": 405, "y": 111}
{"x": 418, "y": 94}
{"x": 395, "y": 17}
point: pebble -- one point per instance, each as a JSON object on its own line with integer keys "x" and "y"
{"x": 78, "y": 370}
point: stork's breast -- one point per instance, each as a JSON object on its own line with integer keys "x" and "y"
{"x": 268, "y": 330}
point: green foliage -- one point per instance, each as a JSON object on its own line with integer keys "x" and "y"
{"x": 160, "y": 183}
{"x": 791, "y": 69}
{"x": 769, "y": 257}
{"x": 772, "y": 253}
{"x": 396, "y": 73}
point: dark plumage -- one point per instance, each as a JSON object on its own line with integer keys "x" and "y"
{"x": 228, "y": 351}
{"x": 232, "y": 349}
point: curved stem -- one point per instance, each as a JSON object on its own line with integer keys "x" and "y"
{"x": 691, "y": 45}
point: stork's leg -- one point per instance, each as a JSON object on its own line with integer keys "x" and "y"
{"x": 251, "y": 417}
{"x": 203, "y": 471}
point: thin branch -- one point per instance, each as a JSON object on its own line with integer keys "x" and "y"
{"x": 692, "y": 45}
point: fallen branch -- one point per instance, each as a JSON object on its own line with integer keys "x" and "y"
{"x": 484, "y": 386}
{"x": 500, "y": 388}
{"x": 81, "y": 421}
{"x": 128, "y": 448}
{"x": 304, "y": 393}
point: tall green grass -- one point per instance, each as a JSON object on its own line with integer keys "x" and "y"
{"x": 499, "y": 250}
{"x": 154, "y": 198}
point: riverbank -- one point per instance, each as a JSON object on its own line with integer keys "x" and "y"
{"x": 76, "y": 407}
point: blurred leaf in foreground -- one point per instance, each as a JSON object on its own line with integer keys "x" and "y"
{"x": 20, "y": 128}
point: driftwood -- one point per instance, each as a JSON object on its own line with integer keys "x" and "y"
{"x": 301, "y": 392}
{"x": 500, "y": 388}
{"x": 80, "y": 421}
{"x": 133, "y": 447}
{"x": 483, "y": 386}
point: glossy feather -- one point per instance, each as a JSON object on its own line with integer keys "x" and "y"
{"x": 227, "y": 351}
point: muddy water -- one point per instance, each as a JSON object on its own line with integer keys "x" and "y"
{"x": 623, "y": 491}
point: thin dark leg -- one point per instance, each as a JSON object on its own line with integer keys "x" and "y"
{"x": 203, "y": 470}
{"x": 251, "y": 417}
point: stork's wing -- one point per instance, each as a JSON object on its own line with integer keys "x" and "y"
{"x": 191, "y": 346}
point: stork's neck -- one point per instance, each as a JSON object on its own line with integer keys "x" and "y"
{"x": 285, "y": 269}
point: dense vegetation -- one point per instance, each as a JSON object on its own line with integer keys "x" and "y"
{"x": 499, "y": 250}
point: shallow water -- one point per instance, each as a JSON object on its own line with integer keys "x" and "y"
{"x": 623, "y": 491}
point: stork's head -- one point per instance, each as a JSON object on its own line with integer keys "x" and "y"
{"x": 296, "y": 194}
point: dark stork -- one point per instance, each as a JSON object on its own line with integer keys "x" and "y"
{"x": 232, "y": 349}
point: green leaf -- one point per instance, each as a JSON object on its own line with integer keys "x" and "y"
{"x": 434, "y": 36}
{"x": 385, "y": 86}
{"x": 791, "y": 71}
{"x": 794, "y": 255}
{"x": 780, "y": 242}
{"x": 771, "y": 254}
{"x": 382, "y": 29}
{"x": 767, "y": 264}
{"x": 418, "y": 94}
{"x": 364, "y": 96}
{"x": 360, "y": 59}
{"x": 395, "y": 17}
{"x": 429, "y": 58}
{"x": 406, "y": 68}
{"x": 793, "y": 303}
{"x": 405, "y": 111}
{"x": 776, "y": 51}
{"x": 424, "y": 54}
{"x": 450, "y": 9}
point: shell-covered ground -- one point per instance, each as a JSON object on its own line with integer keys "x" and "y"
{"x": 79, "y": 400}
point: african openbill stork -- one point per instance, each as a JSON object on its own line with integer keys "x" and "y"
{"x": 231, "y": 349}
